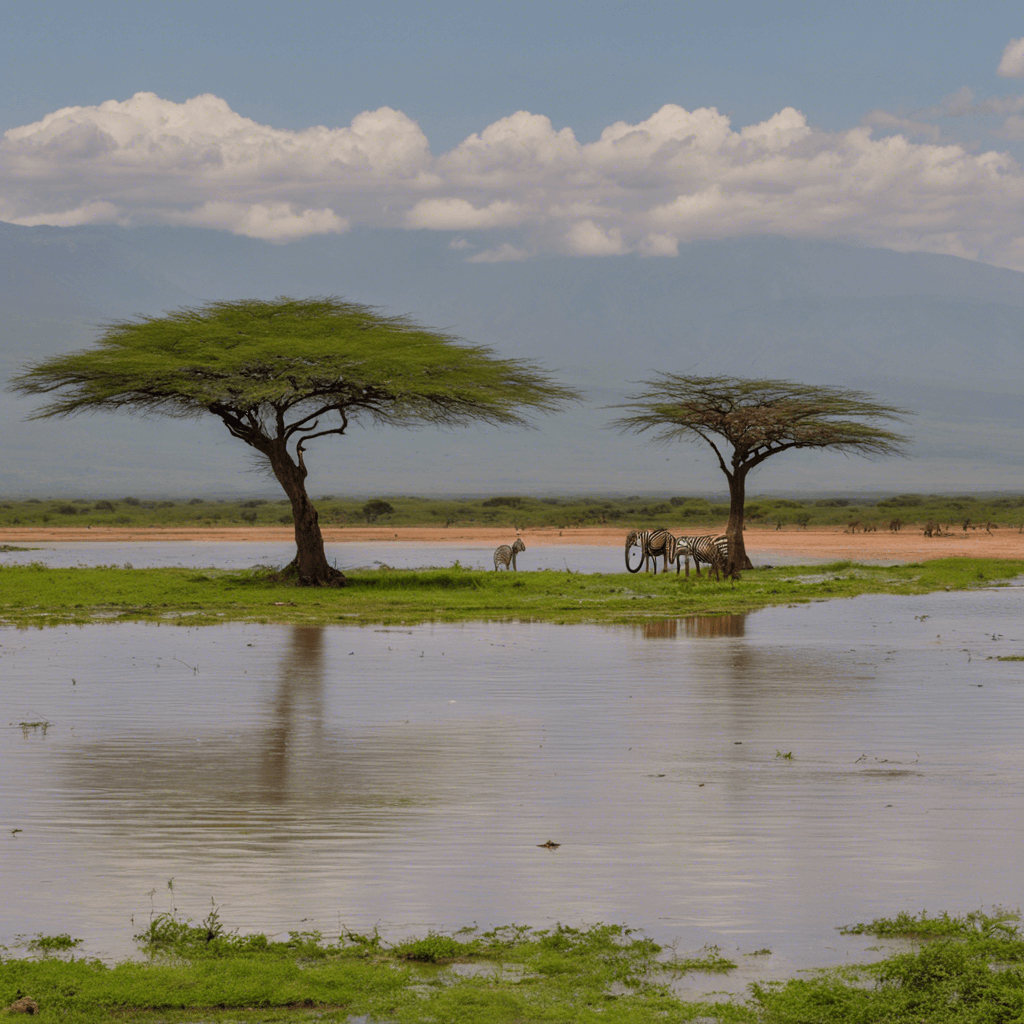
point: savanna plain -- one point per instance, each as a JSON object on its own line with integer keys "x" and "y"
{"x": 733, "y": 761}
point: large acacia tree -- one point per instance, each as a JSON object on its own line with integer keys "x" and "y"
{"x": 747, "y": 421}
{"x": 284, "y": 373}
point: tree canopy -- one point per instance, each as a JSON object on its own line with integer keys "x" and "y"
{"x": 746, "y": 421}
{"x": 281, "y": 373}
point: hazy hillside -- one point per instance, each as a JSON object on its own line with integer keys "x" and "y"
{"x": 940, "y": 335}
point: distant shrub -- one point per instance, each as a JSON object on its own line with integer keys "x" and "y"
{"x": 163, "y": 504}
{"x": 375, "y": 508}
{"x": 66, "y": 510}
{"x": 900, "y": 501}
{"x": 123, "y": 519}
{"x": 254, "y": 503}
{"x": 832, "y": 502}
{"x": 132, "y": 501}
{"x": 286, "y": 519}
{"x": 196, "y": 501}
{"x": 496, "y": 502}
{"x": 550, "y": 501}
{"x": 33, "y": 501}
{"x": 104, "y": 506}
{"x": 249, "y": 516}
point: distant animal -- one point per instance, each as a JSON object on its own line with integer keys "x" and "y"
{"x": 709, "y": 548}
{"x": 506, "y": 555}
{"x": 932, "y": 529}
{"x": 653, "y": 545}
{"x": 895, "y": 525}
{"x": 852, "y": 526}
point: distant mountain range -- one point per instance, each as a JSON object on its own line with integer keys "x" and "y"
{"x": 939, "y": 335}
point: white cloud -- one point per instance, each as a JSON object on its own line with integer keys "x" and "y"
{"x": 1012, "y": 64}
{"x": 461, "y": 215}
{"x": 643, "y": 188}
{"x": 273, "y": 222}
{"x": 587, "y": 239}
{"x": 503, "y": 253}
{"x": 95, "y": 212}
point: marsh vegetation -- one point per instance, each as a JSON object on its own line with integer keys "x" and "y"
{"x": 522, "y": 511}
{"x": 37, "y": 595}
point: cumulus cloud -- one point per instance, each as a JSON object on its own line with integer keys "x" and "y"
{"x": 461, "y": 215}
{"x": 500, "y": 254}
{"x": 523, "y": 186}
{"x": 273, "y": 222}
{"x": 1012, "y": 64}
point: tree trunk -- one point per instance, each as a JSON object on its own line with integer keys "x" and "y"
{"x": 310, "y": 560}
{"x": 734, "y": 531}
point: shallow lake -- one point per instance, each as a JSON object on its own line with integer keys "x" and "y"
{"x": 403, "y": 778}
{"x": 346, "y": 556}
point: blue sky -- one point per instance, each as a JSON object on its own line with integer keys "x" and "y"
{"x": 455, "y": 67}
{"x": 527, "y": 128}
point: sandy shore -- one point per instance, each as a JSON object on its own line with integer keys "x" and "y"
{"x": 821, "y": 542}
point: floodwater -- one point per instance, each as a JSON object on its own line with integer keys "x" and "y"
{"x": 307, "y": 777}
{"x": 347, "y": 556}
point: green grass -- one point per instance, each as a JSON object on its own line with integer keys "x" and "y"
{"x": 37, "y": 595}
{"x": 602, "y": 973}
{"x": 689, "y": 514}
{"x": 969, "y": 971}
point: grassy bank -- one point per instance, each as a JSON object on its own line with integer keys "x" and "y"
{"x": 39, "y": 596}
{"x": 966, "y": 970}
{"x": 689, "y": 514}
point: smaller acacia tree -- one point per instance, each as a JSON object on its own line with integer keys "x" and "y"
{"x": 281, "y": 374}
{"x": 746, "y": 421}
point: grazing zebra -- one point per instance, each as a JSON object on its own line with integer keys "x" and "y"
{"x": 505, "y": 554}
{"x": 652, "y": 544}
{"x": 710, "y": 548}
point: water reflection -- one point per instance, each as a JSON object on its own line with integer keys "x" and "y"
{"x": 693, "y": 626}
{"x": 405, "y": 777}
{"x": 294, "y": 736}
{"x": 211, "y": 785}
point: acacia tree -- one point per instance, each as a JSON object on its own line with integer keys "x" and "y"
{"x": 281, "y": 374}
{"x": 747, "y": 421}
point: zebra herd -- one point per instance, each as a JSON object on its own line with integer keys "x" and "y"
{"x": 711, "y": 549}
{"x": 654, "y": 544}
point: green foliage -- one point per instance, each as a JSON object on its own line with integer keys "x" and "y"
{"x": 35, "y": 595}
{"x": 376, "y": 508}
{"x": 53, "y": 943}
{"x": 690, "y": 515}
{"x": 608, "y": 973}
{"x": 975, "y": 924}
{"x": 301, "y": 357}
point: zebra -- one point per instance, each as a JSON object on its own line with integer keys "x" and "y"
{"x": 710, "y": 548}
{"x": 652, "y": 544}
{"x": 504, "y": 555}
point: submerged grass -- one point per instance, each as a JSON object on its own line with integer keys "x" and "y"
{"x": 969, "y": 972}
{"x": 38, "y": 595}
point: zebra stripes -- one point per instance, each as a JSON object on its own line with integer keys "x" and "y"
{"x": 712, "y": 549}
{"x": 653, "y": 544}
{"x": 504, "y": 555}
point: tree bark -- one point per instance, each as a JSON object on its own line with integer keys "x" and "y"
{"x": 310, "y": 559}
{"x": 734, "y": 531}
